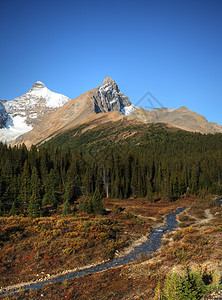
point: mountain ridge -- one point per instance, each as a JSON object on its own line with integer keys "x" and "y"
{"x": 101, "y": 100}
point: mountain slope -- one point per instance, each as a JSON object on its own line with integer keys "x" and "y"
{"x": 102, "y": 130}
{"x": 180, "y": 117}
{"x": 104, "y": 99}
{"x": 25, "y": 112}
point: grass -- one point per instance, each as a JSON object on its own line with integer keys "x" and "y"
{"x": 69, "y": 239}
{"x": 40, "y": 246}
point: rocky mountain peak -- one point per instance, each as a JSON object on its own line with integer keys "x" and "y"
{"x": 37, "y": 86}
{"x": 183, "y": 108}
{"x": 21, "y": 114}
{"x": 109, "y": 80}
{"x": 110, "y": 98}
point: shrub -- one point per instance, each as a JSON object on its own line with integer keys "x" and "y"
{"x": 191, "y": 285}
{"x": 97, "y": 203}
{"x": 94, "y": 205}
{"x": 66, "y": 208}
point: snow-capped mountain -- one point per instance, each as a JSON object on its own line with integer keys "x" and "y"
{"x": 20, "y": 115}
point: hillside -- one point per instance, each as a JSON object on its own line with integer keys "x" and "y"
{"x": 158, "y": 162}
{"x": 109, "y": 129}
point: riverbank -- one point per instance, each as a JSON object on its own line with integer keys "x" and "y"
{"x": 150, "y": 268}
{"x": 140, "y": 247}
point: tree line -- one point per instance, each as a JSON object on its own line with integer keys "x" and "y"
{"x": 168, "y": 166}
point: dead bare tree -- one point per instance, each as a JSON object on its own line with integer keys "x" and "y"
{"x": 106, "y": 180}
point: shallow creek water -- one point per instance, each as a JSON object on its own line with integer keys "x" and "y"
{"x": 149, "y": 246}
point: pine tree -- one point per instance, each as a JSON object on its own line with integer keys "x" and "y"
{"x": 189, "y": 286}
{"x": 24, "y": 188}
{"x": 86, "y": 206}
{"x": 13, "y": 210}
{"x": 97, "y": 203}
{"x": 1, "y": 208}
{"x": 169, "y": 194}
{"x": 158, "y": 294}
{"x": 66, "y": 207}
{"x": 52, "y": 187}
{"x": 192, "y": 286}
{"x": 33, "y": 207}
{"x": 35, "y": 183}
{"x": 150, "y": 193}
{"x": 171, "y": 290}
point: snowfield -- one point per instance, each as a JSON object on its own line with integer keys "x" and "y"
{"x": 14, "y": 128}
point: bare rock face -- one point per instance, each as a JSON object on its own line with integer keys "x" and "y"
{"x": 109, "y": 98}
{"x": 3, "y": 115}
{"x": 26, "y": 111}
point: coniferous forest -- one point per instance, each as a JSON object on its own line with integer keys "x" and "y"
{"x": 163, "y": 167}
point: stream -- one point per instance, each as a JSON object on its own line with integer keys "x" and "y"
{"x": 148, "y": 247}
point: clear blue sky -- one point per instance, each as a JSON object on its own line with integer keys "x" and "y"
{"x": 172, "y": 48}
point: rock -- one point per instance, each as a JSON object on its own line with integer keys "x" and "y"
{"x": 3, "y": 114}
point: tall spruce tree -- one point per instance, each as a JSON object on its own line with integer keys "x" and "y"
{"x": 97, "y": 203}
{"x": 13, "y": 211}
{"x": 33, "y": 207}
{"x": 24, "y": 187}
{"x": 35, "y": 183}
{"x": 52, "y": 188}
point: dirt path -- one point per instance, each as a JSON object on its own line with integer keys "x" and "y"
{"x": 209, "y": 217}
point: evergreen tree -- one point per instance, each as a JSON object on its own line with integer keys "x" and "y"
{"x": 1, "y": 208}
{"x": 33, "y": 207}
{"x": 66, "y": 207}
{"x": 52, "y": 188}
{"x": 97, "y": 203}
{"x": 158, "y": 294}
{"x": 171, "y": 290}
{"x": 192, "y": 286}
{"x": 86, "y": 206}
{"x": 13, "y": 210}
{"x": 35, "y": 183}
{"x": 150, "y": 193}
{"x": 189, "y": 286}
{"x": 24, "y": 188}
{"x": 162, "y": 163}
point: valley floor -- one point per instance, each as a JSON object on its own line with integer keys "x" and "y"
{"x": 50, "y": 245}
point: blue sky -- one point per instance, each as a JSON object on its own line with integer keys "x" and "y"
{"x": 172, "y": 48}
